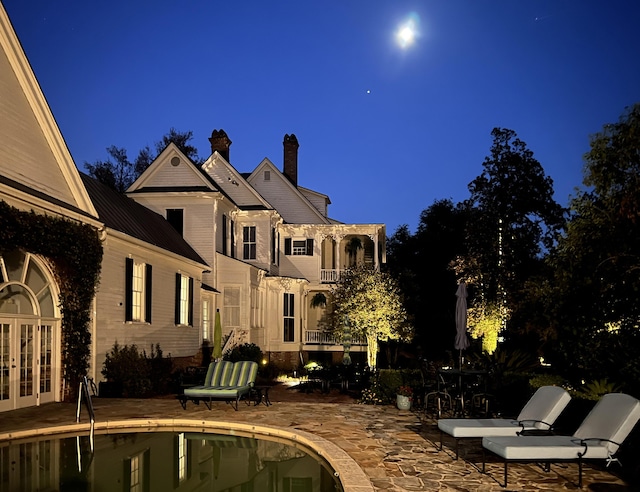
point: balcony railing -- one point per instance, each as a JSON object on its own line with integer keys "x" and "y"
{"x": 330, "y": 275}
{"x": 317, "y": 337}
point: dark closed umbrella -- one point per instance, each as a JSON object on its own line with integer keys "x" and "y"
{"x": 462, "y": 342}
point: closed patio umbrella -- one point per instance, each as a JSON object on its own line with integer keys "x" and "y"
{"x": 462, "y": 342}
{"x": 217, "y": 337}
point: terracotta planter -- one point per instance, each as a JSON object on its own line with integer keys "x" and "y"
{"x": 403, "y": 402}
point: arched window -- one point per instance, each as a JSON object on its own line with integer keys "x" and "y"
{"x": 25, "y": 288}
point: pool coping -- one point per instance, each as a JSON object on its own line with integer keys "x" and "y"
{"x": 351, "y": 476}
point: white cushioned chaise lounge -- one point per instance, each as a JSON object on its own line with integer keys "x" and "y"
{"x": 598, "y": 437}
{"x": 540, "y": 413}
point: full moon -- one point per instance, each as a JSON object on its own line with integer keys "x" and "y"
{"x": 408, "y": 31}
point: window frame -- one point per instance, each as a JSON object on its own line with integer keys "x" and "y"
{"x": 288, "y": 318}
{"x": 249, "y": 242}
{"x": 184, "y": 300}
{"x": 138, "y": 294}
{"x": 299, "y": 249}
{"x": 176, "y": 219}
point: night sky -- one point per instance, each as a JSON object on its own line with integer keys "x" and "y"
{"x": 386, "y": 126}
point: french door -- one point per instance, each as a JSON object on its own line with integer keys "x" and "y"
{"x": 26, "y": 365}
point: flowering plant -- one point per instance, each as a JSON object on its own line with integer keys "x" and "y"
{"x": 405, "y": 391}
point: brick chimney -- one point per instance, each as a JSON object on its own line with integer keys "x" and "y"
{"x": 220, "y": 142}
{"x": 290, "y": 168}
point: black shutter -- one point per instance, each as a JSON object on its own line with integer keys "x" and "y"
{"x": 128, "y": 289}
{"x": 177, "y": 318}
{"x": 190, "y": 319}
{"x": 309, "y": 247}
{"x": 287, "y": 245}
{"x": 146, "y": 474}
{"x": 148, "y": 277}
{"x": 126, "y": 474}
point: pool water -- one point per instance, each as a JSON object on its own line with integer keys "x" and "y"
{"x": 163, "y": 461}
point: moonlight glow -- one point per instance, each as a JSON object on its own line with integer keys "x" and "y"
{"x": 408, "y": 31}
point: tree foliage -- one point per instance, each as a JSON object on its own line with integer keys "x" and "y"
{"x": 118, "y": 172}
{"x": 595, "y": 306}
{"x": 421, "y": 263}
{"x": 513, "y": 220}
{"x": 373, "y": 304}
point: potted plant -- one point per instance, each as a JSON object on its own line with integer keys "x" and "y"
{"x": 404, "y": 397}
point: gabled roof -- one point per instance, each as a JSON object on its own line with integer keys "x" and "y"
{"x": 233, "y": 183}
{"x": 21, "y": 187}
{"x": 33, "y": 151}
{"x": 123, "y": 214}
{"x": 278, "y": 199}
{"x": 173, "y": 171}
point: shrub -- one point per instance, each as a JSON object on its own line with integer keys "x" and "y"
{"x": 595, "y": 390}
{"x": 137, "y": 374}
{"x": 246, "y": 351}
{"x": 541, "y": 380}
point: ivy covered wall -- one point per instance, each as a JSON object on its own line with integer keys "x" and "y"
{"x": 75, "y": 252}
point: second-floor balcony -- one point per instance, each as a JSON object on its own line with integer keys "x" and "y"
{"x": 330, "y": 275}
{"x": 318, "y": 337}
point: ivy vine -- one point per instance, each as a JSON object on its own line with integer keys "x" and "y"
{"x": 74, "y": 252}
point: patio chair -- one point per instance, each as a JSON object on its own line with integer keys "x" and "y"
{"x": 598, "y": 437}
{"x": 539, "y": 414}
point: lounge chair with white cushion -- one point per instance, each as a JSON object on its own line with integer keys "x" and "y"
{"x": 539, "y": 414}
{"x": 598, "y": 437}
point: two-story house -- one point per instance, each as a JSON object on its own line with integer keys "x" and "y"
{"x": 270, "y": 242}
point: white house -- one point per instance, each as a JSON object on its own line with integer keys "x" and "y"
{"x": 270, "y": 242}
{"x": 184, "y": 241}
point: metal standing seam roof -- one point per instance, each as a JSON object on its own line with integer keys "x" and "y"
{"x": 123, "y": 214}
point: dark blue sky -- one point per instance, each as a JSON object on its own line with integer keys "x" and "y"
{"x": 384, "y": 131}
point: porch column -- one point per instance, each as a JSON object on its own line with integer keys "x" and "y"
{"x": 339, "y": 238}
{"x": 374, "y": 238}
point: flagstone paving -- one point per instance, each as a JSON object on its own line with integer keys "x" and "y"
{"x": 397, "y": 450}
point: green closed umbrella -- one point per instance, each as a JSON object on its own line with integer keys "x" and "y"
{"x": 217, "y": 337}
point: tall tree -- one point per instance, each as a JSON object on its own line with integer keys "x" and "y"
{"x": 515, "y": 219}
{"x": 372, "y": 302}
{"x": 595, "y": 305}
{"x": 421, "y": 263}
{"x": 118, "y": 172}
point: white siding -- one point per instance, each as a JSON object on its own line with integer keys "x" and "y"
{"x": 177, "y": 341}
{"x": 293, "y": 208}
{"x": 226, "y": 179}
{"x": 181, "y": 175}
{"x": 317, "y": 200}
{"x": 25, "y": 155}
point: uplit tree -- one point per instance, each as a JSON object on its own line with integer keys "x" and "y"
{"x": 118, "y": 172}
{"x": 514, "y": 218}
{"x": 372, "y": 302}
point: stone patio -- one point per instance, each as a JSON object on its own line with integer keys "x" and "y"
{"x": 397, "y": 450}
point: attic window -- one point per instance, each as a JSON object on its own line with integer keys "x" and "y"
{"x": 175, "y": 161}
{"x": 267, "y": 175}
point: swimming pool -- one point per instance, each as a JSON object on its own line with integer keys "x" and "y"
{"x": 162, "y": 459}
{"x": 349, "y": 475}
